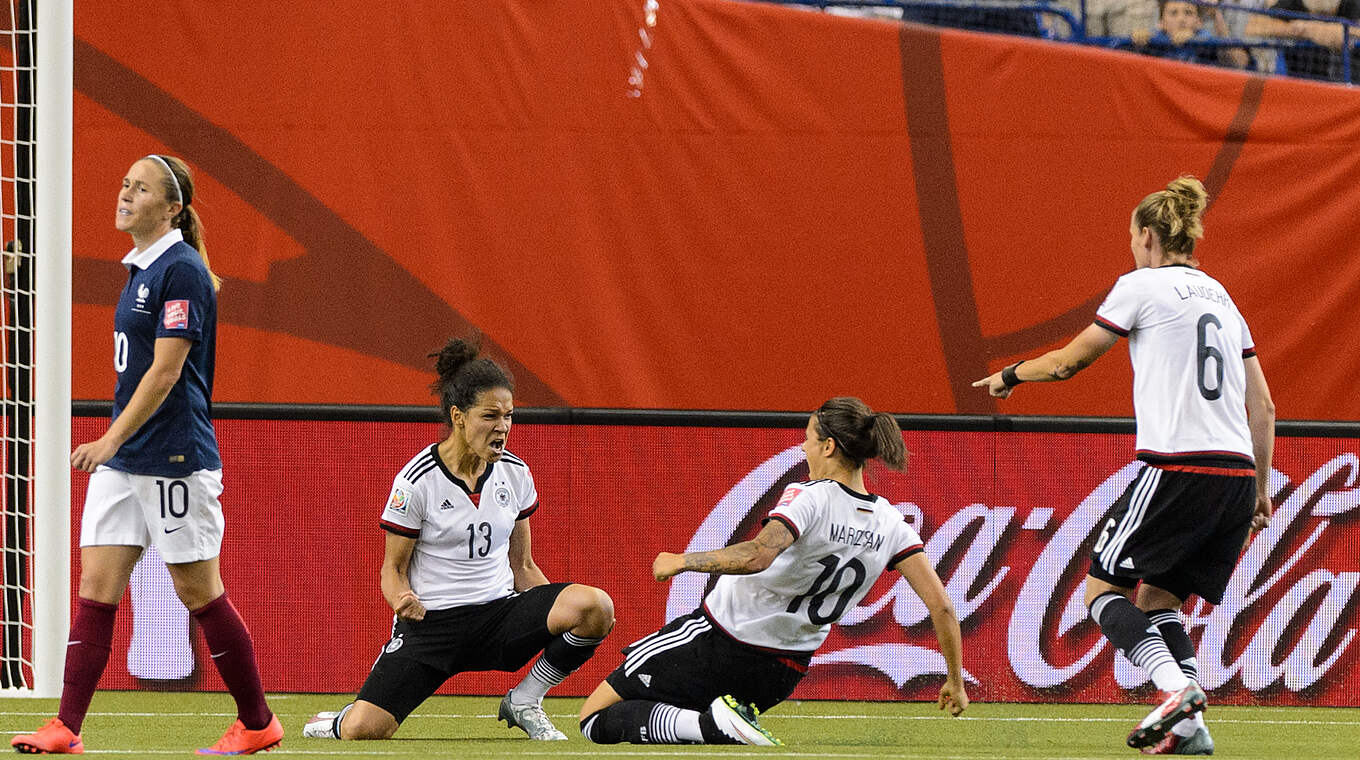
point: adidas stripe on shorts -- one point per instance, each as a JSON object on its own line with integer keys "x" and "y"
{"x": 690, "y": 662}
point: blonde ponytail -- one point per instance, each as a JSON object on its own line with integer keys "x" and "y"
{"x": 1175, "y": 215}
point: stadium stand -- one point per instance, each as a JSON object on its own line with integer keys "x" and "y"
{"x": 1281, "y": 37}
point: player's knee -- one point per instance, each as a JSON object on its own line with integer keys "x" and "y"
{"x": 595, "y": 611}
{"x": 602, "y": 610}
{"x": 597, "y": 728}
{"x": 361, "y": 724}
{"x": 365, "y": 731}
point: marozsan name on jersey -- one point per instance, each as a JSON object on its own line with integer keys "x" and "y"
{"x": 844, "y": 534}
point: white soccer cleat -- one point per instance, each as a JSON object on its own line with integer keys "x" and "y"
{"x": 1174, "y": 709}
{"x": 321, "y": 725}
{"x": 531, "y": 719}
{"x": 739, "y": 722}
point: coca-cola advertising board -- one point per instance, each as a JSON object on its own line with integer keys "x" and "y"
{"x": 1007, "y": 517}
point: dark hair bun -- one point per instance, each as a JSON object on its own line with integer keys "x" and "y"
{"x": 456, "y": 353}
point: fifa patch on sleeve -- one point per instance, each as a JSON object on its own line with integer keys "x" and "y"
{"x": 789, "y": 494}
{"x": 176, "y": 315}
{"x": 400, "y": 498}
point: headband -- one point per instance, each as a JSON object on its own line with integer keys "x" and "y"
{"x": 179, "y": 195}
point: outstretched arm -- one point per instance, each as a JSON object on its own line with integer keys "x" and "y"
{"x": 1059, "y": 364}
{"x": 744, "y": 558}
{"x": 919, "y": 573}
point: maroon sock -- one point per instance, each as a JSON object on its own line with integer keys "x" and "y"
{"x": 234, "y": 655}
{"x": 87, "y": 653}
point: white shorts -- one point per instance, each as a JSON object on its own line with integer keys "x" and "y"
{"x": 181, "y": 516}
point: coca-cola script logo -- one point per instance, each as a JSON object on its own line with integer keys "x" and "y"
{"x": 1282, "y": 634}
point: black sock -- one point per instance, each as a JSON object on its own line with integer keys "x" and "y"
{"x": 638, "y": 721}
{"x": 1178, "y": 642}
{"x": 568, "y": 652}
{"x": 1129, "y": 629}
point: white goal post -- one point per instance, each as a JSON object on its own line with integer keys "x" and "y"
{"x": 52, "y": 354}
{"x": 36, "y": 83}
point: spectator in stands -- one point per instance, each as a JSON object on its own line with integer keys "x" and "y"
{"x": 1180, "y": 22}
{"x": 1312, "y": 58}
{"x": 1115, "y": 18}
{"x": 1236, "y": 15}
{"x": 1184, "y": 21}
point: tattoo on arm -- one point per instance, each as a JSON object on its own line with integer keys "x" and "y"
{"x": 746, "y": 557}
{"x": 729, "y": 559}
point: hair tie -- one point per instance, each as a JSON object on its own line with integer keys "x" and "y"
{"x": 179, "y": 195}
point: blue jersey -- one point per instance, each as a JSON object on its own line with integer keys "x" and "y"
{"x": 169, "y": 294}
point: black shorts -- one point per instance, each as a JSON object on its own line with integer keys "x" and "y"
{"x": 691, "y": 662}
{"x": 1178, "y": 531}
{"x": 499, "y": 635}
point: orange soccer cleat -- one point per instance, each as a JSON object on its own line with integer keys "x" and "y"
{"x": 239, "y": 740}
{"x": 54, "y": 738}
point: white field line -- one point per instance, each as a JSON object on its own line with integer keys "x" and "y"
{"x": 776, "y": 716}
{"x": 690, "y": 752}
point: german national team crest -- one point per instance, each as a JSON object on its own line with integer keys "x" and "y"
{"x": 502, "y": 496}
{"x": 176, "y": 315}
{"x": 393, "y": 645}
{"x": 400, "y": 498}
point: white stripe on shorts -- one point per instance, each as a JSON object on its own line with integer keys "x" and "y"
{"x": 1133, "y": 518}
{"x": 659, "y": 643}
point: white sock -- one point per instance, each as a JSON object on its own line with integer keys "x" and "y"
{"x": 668, "y": 724}
{"x": 541, "y": 677}
{"x": 687, "y": 726}
{"x": 1189, "y": 727}
{"x": 1168, "y": 676}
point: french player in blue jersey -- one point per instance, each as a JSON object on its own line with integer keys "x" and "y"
{"x": 155, "y": 474}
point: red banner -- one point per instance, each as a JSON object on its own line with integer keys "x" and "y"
{"x": 663, "y": 207}
{"x": 1007, "y": 517}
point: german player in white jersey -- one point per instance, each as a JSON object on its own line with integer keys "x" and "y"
{"x": 1206, "y": 431}
{"x": 706, "y": 676}
{"x": 459, "y": 572}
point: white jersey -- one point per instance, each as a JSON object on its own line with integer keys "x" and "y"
{"x": 462, "y": 537}
{"x": 1187, "y": 342}
{"x": 843, "y": 541}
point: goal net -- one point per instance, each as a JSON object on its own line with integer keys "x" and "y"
{"x": 35, "y": 342}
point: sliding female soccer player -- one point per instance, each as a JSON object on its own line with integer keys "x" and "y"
{"x": 705, "y": 676}
{"x": 460, "y": 575}
{"x": 1206, "y": 426}
{"x": 156, "y": 472}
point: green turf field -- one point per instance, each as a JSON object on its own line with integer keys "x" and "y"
{"x": 145, "y": 724}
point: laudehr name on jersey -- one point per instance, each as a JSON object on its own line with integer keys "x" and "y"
{"x": 1187, "y": 341}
